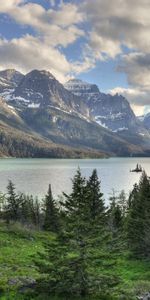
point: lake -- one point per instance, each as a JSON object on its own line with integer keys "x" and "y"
{"x": 32, "y": 176}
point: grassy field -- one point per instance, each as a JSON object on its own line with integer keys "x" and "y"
{"x": 19, "y": 245}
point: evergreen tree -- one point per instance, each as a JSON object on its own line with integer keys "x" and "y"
{"x": 34, "y": 210}
{"x": 81, "y": 247}
{"x": 96, "y": 202}
{"x": 51, "y": 222}
{"x": 25, "y": 208}
{"x": 132, "y": 196}
{"x": 115, "y": 214}
{"x": 12, "y": 208}
{"x": 2, "y": 205}
{"x": 122, "y": 203}
{"x": 138, "y": 219}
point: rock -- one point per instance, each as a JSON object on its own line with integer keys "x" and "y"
{"x": 23, "y": 283}
{"x": 146, "y": 296}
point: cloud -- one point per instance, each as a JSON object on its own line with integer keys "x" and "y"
{"x": 109, "y": 30}
{"x": 104, "y": 48}
{"x": 28, "y": 52}
{"x": 6, "y": 6}
{"x": 120, "y": 23}
{"x": 58, "y": 26}
{"x": 120, "y": 30}
{"x": 137, "y": 68}
{"x": 54, "y": 29}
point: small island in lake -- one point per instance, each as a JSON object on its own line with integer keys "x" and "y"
{"x": 137, "y": 169}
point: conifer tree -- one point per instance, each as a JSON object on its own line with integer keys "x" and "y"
{"x": 96, "y": 202}
{"x": 85, "y": 234}
{"x": 51, "y": 222}
{"x": 12, "y": 208}
{"x": 80, "y": 249}
{"x": 138, "y": 219}
{"x": 34, "y": 210}
{"x": 2, "y": 204}
{"x": 115, "y": 214}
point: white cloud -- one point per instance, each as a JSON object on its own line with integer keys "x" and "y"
{"x": 104, "y": 48}
{"x": 110, "y": 30}
{"x": 123, "y": 22}
{"x": 118, "y": 27}
{"x": 29, "y": 53}
{"x": 6, "y": 6}
{"x": 58, "y": 26}
{"x": 53, "y": 28}
{"x": 137, "y": 68}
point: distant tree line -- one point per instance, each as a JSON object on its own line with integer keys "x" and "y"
{"x": 86, "y": 236}
{"x": 14, "y": 144}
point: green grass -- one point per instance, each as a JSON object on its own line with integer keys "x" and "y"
{"x": 18, "y": 246}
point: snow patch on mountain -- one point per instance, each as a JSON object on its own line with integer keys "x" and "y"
{"x": 34, "y": 105}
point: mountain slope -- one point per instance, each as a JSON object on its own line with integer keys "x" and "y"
{"x": 112, "y": 112}
{"x": 146, "y": 121}
{"x": 41, "y": 89}
{"x": 49, "y": 120}
{"x": 9, "y": 79}
{"x": 66, "y": 129}
{"x": 19, "y": 140}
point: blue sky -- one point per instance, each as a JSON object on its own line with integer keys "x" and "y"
{"x": 99, "y": 41}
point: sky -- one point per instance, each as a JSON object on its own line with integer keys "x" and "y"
{"x": 99, "y": 41}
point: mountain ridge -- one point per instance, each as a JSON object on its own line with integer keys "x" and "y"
{"x": 45, "y": 108}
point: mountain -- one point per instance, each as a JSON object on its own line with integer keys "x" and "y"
{"x": 9, "y": 116}
{"x": 19, "y": 140}
{"x": 146, "y": 121}
{"x": 112, "y": 112}
{"x": 45, "y": 119}
{"x": 41, "y": 89}
{"x": 9, "y": 79}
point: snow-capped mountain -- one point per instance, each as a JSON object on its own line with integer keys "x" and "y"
{"x": 9, "y": 80}
{"x": 146, "y": 121}
{"x": 37, "y": 104}
{"x": 112, "y": 112}
{"x": 83, "y": 89}
{"x": 41, "y": 89}
{"x": 11, "y": 76}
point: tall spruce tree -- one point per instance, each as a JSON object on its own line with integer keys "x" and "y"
{"x": 115, "y": 214}
{"x": 12, "y": 206}
{"x": 2, "y": 205}
{"x": 51, "y": 216}
{"x": 138, "y": 219}
{"x": 96, "y": 202}
{"x": 85, "y": 237}
{"x": 79, "y": 251}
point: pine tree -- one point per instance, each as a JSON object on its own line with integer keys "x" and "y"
{"x": 34, "y": 210}
{"x": 115, "y": 214}
{"x": 138, "y": 219}
{"x": 51, "y": 218}
{"x": 12, "y": 208}
{"x": 2, "y": 205}
{"x": 96, "y": 202}
{"x": 75, "y": 258}
{"x": 87, "y": 233}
